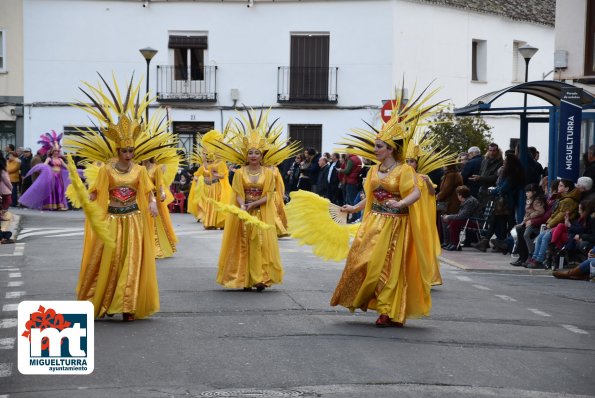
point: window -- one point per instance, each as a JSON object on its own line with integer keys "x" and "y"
{"x": 2, "y": 51}
{"x": 310, "y": 135}
{"x": 590, "y": 40}
{"x": 479, "y": 57}
{"x": 309, "y": 67}
{"x": 518, "y": 62}
{"x": 188, "y": 56}
{"x": 186, "y": 133}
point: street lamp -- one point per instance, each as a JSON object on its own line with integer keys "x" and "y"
{"x": 148, "y": 53}
{"x": 527, "y": 52}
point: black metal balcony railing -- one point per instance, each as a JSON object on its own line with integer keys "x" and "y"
{"x": 186, "y": 83}
{"x": 307, "y": 84}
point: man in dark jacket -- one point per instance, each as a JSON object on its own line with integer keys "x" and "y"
{"x": 26, "y": 158}
{"x": 472, "y": 167}
{"x": 488, "y": 173}
{"x": 322, "y": 185}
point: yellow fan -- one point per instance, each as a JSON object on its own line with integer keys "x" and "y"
{"x": 338, "y": 216}
{"x": 314, "y": 221}
{"x": 241, "y": 214}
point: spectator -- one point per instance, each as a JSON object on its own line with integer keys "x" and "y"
{"x": 5, "y": 189}
{"x": 488, "y": 173}
{"x": 13, "y": 166}
{"x": 580, "y": 272}
{"x": 353, "y": 166}
{"x": 566, "y": 207}
{"x": 293, "y": 174}
{"x": 322, "y": 185}
{"x": 472, "y": 167}
{"x": 584, "y": 185}
{"x": 590, "y": 166}
{"x": 335, "y": 195}
{"x": 309, "y": 170}
{"x": 535, "y": 207}
{"x": 469, "y": 207}
{"x": 26, "y": 159}
{"x": 534, "y": 169}
{"x": 7, "y": 150}
{"x": 448, "y": 194}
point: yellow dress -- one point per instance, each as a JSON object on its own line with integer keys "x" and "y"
{"x": 387, "y": 269}
{"x": 123, "y": 279}
{"x": 217, "y": 189}
{"x": 280, "y": 216}
{"x": 428, "y": 201}
{"x": 165, "y": 237}
{"x": 250, "y": 255}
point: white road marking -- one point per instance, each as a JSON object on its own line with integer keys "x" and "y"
{"x": 10, "y": 307}
{"x": 9, "y": 269}
{"x": 65, "y": 235}
{"x": 481, "y": 287}
{"x": 505, "y": 298}
{"x": 15, "y": 283}
{"x": 7, "y": 343}
{"x": 48, "y": 231}
{"x": 538, "y": 312}
{"x": 464, "y": 278}
{"x": 5, "y": 371}
{"x": 574, "y": 329}
{"x": 13, "y": 295}
{"x": 14, "y": 275}
{"x": 8, "y": 323}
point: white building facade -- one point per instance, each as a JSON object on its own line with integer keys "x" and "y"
{"x": 322, "y": 66}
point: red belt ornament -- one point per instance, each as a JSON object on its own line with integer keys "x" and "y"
{"x": 123, "y": 194}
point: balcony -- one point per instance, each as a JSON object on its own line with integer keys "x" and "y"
{"x": 307, "y": 85}
{"x": 186, "y": 84}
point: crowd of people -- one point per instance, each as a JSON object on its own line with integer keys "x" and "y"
{"x": 554, "y": 229}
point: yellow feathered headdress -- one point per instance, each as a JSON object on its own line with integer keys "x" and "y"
{"x": 120, "y": 124}
{"x": 406, "y": 118}
{"x": 244, "y": 134}
{"x": 204, "y": 151}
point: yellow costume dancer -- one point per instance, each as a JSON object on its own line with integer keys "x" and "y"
{"x": 389, "y": 268}
{"x": 250, "y": 256}
{"x": 118, "y": 276}
{"x": 210, "y": 182}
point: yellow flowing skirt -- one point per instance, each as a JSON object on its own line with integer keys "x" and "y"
{"x": 248, "y": 255}
{"x": 381, "y": 272}
{"x": 211, "y": 217}
{"x": 165, "y": 237}
{"x": 123, "y": 279}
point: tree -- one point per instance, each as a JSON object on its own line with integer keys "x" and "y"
{"x": 460, "y": 133}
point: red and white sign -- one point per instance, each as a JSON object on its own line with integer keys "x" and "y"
{"x": 387, "y": 109}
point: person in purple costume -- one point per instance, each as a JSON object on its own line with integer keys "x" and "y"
{"x": 48, "y": 192}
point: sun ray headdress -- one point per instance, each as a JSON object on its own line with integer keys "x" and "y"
{"x": 118, "y": 124}
{"x": 250, "y": 132}
{"x": 406, "y": 118}
{"x": 204, "y": 151}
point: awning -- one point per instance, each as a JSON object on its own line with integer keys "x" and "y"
{"x": 547, "y": 90}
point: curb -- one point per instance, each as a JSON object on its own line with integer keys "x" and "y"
{"x": 512, "y": 270}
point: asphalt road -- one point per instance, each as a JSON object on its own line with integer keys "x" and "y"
{"x": 488, "y": 335}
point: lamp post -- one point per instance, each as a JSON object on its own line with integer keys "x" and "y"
{"x": 148, "y": 53}
{"x": 527, "y": 51}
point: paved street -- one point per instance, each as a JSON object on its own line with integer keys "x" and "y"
{"x": 489, "y": 334}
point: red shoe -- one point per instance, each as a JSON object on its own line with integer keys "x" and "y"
{"x": 384, "y": 321}
{"x": 127, "y": 317}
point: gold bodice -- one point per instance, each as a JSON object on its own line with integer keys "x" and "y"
{"x": 388, "y": 187}
{"x": 123, "y": 186}
{"x": 253, "y": 190}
